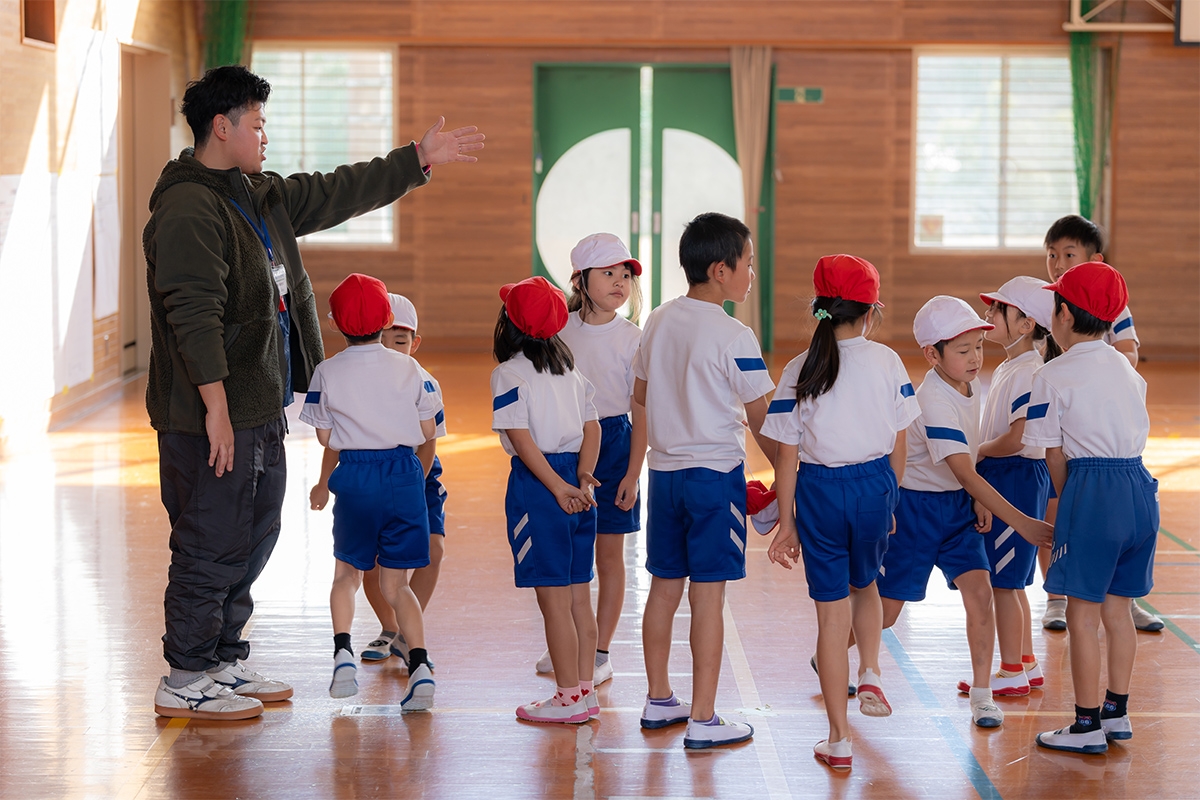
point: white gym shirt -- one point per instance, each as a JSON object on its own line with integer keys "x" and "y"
{"x": 1008, "y": 399}
{"x": 604, "y": 354}
{"x": 551, "y": 407}
{"x": 949, "y": 424}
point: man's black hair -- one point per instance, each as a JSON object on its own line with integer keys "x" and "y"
{"x": 1079, "y": 229}
{"x": 1086, "y": 323}
{"x": 710, "y": 239}
{"x": 223, "y": 90}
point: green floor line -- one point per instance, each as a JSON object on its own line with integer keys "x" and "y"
{"x": 1177, "y": 540}
{"x": 1172, "y": 627}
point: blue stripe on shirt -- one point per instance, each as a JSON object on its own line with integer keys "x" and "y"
{"x": 750, "y": 364}
{"x": 1123, "y": 324}
{"x": 312, "y": 397}
{"x": 781, "y": 406}
{"x": 1037, "y": 412}
{"x": 439, "y": 418}
{"x": 907, "y": 391}
{"x": 429, "y": 387}
{"x": 1020, "y": 401}
{"x": 506, "y": 399}
{"x": 951, "y": 434}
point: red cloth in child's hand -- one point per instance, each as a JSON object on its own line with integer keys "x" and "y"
{"x": 758, "y": 497}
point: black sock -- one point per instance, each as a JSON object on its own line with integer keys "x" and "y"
{"x": 598, "y": 650}
{"x": 341, "y": 641}
{"x": 1086, "y": 720}
{"x": 416, "y": 657}
{"x": 1115, "y": 705}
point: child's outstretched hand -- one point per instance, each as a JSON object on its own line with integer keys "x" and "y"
{"x": 785, "y": 545}
{"x": 627, "y": 492}
{"x": 318, "y": 498}
{"x": 1038, "y": 533}
{"x": 983, "y": 519}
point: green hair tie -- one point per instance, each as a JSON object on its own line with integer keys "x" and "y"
{"x": 821, "y": 313}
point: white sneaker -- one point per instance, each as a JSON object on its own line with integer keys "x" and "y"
{"x": 1116, "y": 728}
{"x": 1055, "y": 618}
{"x": 593, "y": 702}
{"x": 248, "y": 683}
{"x": 661, "y": 713}
{"x": 399, "y": 648}
{"x": 420, "y": 690}
{"x": 204, "y": 698}
{"x": 544, "y": 664}
{"x": 546, "y": 711}
{"x": 345, "y": 675}
{"x": 603, "y": 673}
{"x": 835, "y": 754}
{"x": 1063, "y": 739}
{"x": 1011, "y": 686}
{"x": 871, "y": 701}
{"x": 1143, "y": 620}
{"x": 378, "y": 650}
{"x": 714, "y": 734}
{"x": 1034, "y": 674}
{"x": 984, "y": 711}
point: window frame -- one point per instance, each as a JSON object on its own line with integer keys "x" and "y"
{"x": 959, "y": 50}
{"x": 304, "y": 45}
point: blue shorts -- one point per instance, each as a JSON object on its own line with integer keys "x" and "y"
{"x": 610, "y": 470}
{"x": 1024, "y": 482}
{"x": 1106, "y": 530}
{"x": 379, "y": 510}
{"x": 844, "y": 515}
{"x": 696, "y": 526}
{"x": 550, "y": 547}
{"x": 435, "y": 498}
{"x": 933, "y": 529}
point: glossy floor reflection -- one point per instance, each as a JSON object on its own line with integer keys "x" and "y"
{"x": 83, "y": 561}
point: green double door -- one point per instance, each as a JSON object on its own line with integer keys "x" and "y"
{"x": 637, "y": 151}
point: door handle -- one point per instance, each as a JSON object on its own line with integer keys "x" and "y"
{"x": 657, "y": 222}
{"x": 633, "y": 223}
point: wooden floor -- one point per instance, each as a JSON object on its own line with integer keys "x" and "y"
{"x": 83, "y": 564}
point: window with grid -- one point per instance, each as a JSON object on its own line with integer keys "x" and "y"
{"x": 330, "y": 107}
{"x": 995, "y": 158}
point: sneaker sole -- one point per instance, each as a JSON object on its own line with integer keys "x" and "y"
{"x": 345, "y": 681}
{"x": 1011, "y": 691}
{"x": 1055, "y": 625}
{"x": 1151, "y": 628}
{"x": 1037, "y": 683}
{"x": 267, "y": 697}
{"x": 988, "y": 722}
{"x": 655, "y": 724}
{"x": 375, "y": 655}
{"x": 704, "y": 744}
{"x": 1087, "y": 749}
{"x": 419, "y": 697}
{"x": 187, "y": 713}
{"x": 837, "y": 762}
{"x": 574, "y": 719}
{"x": 872, "y": 703}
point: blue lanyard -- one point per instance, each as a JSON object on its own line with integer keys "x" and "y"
{"x": 263, "y": 234}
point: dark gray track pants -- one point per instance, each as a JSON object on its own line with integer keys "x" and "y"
{"x": 222, "y": 533}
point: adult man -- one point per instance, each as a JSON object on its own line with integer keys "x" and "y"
{"x": 235, "y": 332}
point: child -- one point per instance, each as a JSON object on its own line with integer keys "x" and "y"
{"x": 695, "y": 368}
{"x": 935, "y": 524}
{"x": 1088, "y": 409}
{"x": 603, "y": 344}
{"x": 1020, "y": 312}
{"x": 369, "y": 404}
{"x": 544, "y": 411}
{"x": 842, "y": 409}
{"x": 403, "y": 338}
{"x": 1074, "y": 240}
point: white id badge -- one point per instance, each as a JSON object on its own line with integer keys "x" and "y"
{"x": 279, "y": 273}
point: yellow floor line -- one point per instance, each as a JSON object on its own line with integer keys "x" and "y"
{"x": 135, "y": 783}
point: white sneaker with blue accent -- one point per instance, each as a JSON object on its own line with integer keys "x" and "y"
{"x": 248, "y": 683}
{"x": 345, "y": 675}
{"x": 661, "y": 713}
{"x": 203, "y": 698}
{"x": 420, "y": 690}
{"x": 1116, "y": 728}
{"x": 715, "y": 733}
{"x": 378, "y": 650}
{"x": 984, "y": 711}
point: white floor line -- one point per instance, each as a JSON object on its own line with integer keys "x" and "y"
{"x": 585, "y": 774}
{"x": 764, "y": 744}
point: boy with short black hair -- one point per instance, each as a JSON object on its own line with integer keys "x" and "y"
{"x": 695, "y": 369}
{"x": 369, "y": 403}
{"x": 1074, "y": 240}
{"x": 1088, "y": 409}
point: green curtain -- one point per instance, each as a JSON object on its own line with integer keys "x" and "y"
{"x": 226, "y": 23}
{"x": 1089, "y": 142}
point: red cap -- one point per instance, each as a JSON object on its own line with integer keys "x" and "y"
{"x": 536, "y": 306}
{"x": 1095, "y": 287}
{"x": 360, "y": 305}
{"x": 847, "y": 277}
{"x": 758, "y": 496}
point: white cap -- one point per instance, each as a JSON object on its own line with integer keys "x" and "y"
{"x": 765, "y": 521}
{"x": 404, "y": 313}
{"x": 602, "y": 250}
{"x": 1025, "y": 294}
{"x": 944, "y": 318}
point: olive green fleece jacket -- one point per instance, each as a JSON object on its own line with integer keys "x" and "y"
{"x": 213, "y": 303}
